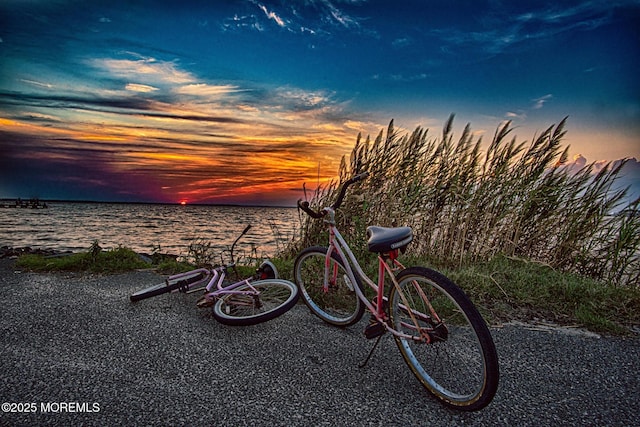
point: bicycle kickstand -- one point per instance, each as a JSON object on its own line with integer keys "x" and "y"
{"x": 363, "y": 364}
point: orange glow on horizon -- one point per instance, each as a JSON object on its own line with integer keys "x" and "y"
{"x": 265, "y": 166}
{"x": 284, "y": 193}
{"x": 101, "y": 137}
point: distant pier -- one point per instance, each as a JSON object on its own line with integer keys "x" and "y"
{"x": 24, "y": 204}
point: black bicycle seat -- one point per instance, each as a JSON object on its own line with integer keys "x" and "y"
{"x": 383, "y": 239}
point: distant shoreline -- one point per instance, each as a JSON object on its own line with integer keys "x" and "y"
{"x": 231, "y": 205}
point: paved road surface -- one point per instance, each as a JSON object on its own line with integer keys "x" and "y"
{"x": 76, "y": 338}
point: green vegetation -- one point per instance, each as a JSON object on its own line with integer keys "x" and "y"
{"x": 113, "y": 261}
{"x": 514, "y": 289}
{"x": 117, "y": 260}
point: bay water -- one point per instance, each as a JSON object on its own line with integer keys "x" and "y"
{"x": 148, "y": 228}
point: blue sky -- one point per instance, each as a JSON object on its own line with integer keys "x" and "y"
{"x": 242, "y": 101}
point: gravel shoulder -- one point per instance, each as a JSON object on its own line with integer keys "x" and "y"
{"x": 76, "y": 338}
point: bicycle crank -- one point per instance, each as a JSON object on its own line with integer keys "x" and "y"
{"x": 205, "y": 302}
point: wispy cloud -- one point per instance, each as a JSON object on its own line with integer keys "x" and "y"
{"x": 207, "y": 90}
{"x": 339, "y": 15}
{"x": 152, "y": 70}
{"x": 271, "y": 15}
{"x": 538, "y": 103}
{"x": 135, "y": 87}
{"x": 520, "y": 115}
{"x": 312, "y": 17}
{"x": 409, "y": 78}
{"x": 544, "y": 22}
{"x": 239, "y": 22}
{"x": 402, "y": 42}
{"x": 587, "y": 14}
{"x": 38, "y": 84}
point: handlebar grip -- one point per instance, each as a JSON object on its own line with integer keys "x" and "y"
{"x": 347, "y": 183}
{"x": 247, "y": 228}
{"x": 304, "y": 205}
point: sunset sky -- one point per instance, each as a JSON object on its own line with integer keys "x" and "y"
{"x": 243, "y": 101}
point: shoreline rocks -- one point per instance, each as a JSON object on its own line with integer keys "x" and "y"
{"x": 12, "y": 253}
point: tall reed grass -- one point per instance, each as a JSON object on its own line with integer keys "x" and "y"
{"x": 468, "y": 202}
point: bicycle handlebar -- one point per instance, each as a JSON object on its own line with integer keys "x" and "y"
{"x": 304, "y": 205}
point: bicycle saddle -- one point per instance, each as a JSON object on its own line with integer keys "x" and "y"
{"x": 383, "y": 239}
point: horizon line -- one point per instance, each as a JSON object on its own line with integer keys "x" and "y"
{"x": 13, "y": 199}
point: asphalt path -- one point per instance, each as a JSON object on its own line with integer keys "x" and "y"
{"x": 75, "y": 351}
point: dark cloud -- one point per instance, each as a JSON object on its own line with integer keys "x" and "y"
{"x": 194, "y": 118}
{"x": 16, "y": 99}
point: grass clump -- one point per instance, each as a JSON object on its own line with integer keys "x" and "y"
{"x": 113, "y": 261}
{"x": 507, "y": 288}
{"x": 97, "y": 260}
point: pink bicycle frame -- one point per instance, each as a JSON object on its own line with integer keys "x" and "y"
{"x": 215, "y": 287}
{"x": 338, "y": 245}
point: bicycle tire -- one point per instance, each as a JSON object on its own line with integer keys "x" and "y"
{"x": 340, "y": 306}
{"x": 276, "y": 298}
{"x": 167, "y": 286}
{"x": 460, "y": 365}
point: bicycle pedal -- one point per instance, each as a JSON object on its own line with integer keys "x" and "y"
{"x": 374, "y": 330}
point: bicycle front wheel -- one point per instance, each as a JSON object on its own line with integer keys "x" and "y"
{"x": 338, "y": 305}
{"x": 273, "y": 298}
{"x": 452, "y": 353}
{"x": 183, "y": 283}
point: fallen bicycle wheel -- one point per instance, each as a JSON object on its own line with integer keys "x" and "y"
{"x": 275, "y": 297}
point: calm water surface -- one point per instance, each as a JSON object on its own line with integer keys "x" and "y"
{"x": 142, "y": 227}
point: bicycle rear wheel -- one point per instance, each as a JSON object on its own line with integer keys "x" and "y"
{"x": 460, "y": 364}
{"x": 339, "y": 305}
{"x": 169, "y": 285}
{"x": 275, "y": 297}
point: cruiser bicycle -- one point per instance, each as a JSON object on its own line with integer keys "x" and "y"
{"x": 250, "y": 301}
{"x": 439, "y": 332}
